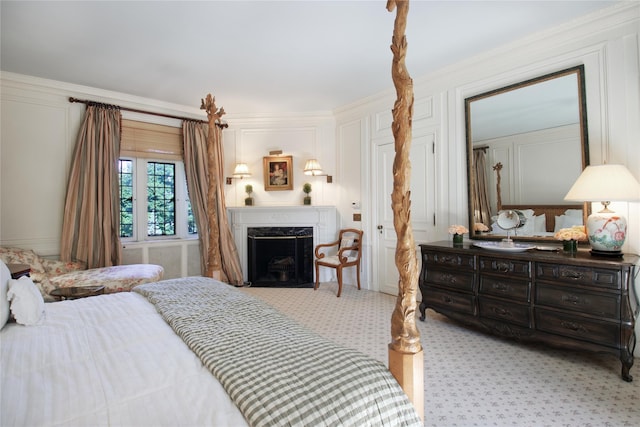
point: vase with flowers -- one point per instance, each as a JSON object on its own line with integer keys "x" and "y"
{"x": 457, "y": 231}
{"x": 480, "y": 228}
{"x": 570, "y": 238}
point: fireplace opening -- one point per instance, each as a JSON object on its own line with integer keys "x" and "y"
{"x": 280, "y": 256}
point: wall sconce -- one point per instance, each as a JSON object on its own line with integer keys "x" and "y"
{"x": 313, "y": 168}
{"x": 606, "y": 229}
{"x": 241, "y": 171}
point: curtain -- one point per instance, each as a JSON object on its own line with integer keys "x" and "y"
{"x": 91, "y": 223}
{"x": 482, "y": 208}
{"x": 197, "y": 172}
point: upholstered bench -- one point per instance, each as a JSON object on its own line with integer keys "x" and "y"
{"x": 50, "y": 274}
{"x": 117, "y": 278}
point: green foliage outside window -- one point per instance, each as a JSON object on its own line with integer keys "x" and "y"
{"x": 125, "y": 175}
{"x": 161, "y": 199}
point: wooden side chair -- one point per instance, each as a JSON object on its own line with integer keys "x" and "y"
{"x": 349, "y": 250}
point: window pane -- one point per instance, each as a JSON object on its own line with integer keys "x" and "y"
{"x": 191, "y": 225}
{"x": 161, "y": 199}
{"x": 125, "y": 178}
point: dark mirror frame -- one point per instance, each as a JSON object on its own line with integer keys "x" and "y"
{"x": 579, "y": 72}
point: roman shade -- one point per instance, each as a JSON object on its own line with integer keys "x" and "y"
{"x": 150, "y": 140}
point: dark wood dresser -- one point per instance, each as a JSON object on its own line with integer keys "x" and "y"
{"x": 575, "y": 301}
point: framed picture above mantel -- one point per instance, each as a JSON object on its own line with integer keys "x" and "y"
{"x": 278, "y": 173}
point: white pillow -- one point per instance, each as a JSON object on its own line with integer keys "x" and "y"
{"x": 567, "y": 221}
{"x": 5, "y": 276}
{"x": 573, "y": 212}
{"x": 540, "y": 223}
{"x": 527, "y": 228}
{"x": 27, "y": 304}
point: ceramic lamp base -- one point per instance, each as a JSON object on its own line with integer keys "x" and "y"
{"x": 607, "y": 231}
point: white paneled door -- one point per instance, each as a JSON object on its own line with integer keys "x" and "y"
{"x": 423, "y": 196}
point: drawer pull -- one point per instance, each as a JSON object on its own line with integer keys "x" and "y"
{"x": 501, "y": 287}
{"x": 573, "y": 326}
{"x": 450, "y": 278}
{"x": 448, "y": 260}
{"x": 502, "y": 267}
{"x": 569, "y": 274}
{"x": 447, "y": 299}
{"x": 501, "y": 311}
{"x": 571, "y": 299}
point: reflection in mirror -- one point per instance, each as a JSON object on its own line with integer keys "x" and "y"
{"x": 526, "y": 146}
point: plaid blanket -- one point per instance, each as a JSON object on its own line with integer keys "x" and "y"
{"x": 277, "y": 372}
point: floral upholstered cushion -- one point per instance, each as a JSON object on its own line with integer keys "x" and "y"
{"x": 23, "y": 256}
{"x": 55, "y": 268}
{"x": 114, "y": 279}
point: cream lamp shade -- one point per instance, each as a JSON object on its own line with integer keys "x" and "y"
{"x": 312, "y": 167}
{"x": 606, "y": 183}
{"x": 241, "y": 171}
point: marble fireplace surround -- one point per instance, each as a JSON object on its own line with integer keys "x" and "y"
{"x": 323, "y": 220}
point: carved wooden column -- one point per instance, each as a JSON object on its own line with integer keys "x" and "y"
{"x": 213, "y": 256}
{"x": 498, "y": 168}
{"x": 406, "y": 361}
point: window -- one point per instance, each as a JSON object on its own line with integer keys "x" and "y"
{"x": 161, "y": 199}
{"x": 125, "y": 178}
{"x": 153, "y": 200}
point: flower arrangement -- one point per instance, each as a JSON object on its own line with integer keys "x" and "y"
{"x": 478, "y": 226}
{"x": 577, "y": 232}
{"x": 458, "y": 229}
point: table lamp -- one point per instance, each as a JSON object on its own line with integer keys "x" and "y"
{"x": 606, "y": 183}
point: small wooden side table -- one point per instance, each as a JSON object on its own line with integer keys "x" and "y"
{"x": 76, "y": 292}
{"x": 19, "y": 270}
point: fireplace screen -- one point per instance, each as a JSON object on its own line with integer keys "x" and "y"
{"x": 280, "y": 256}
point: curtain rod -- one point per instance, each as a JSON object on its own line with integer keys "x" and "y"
{"x": 87, "y": 102}
{"x": 484, "y": 148}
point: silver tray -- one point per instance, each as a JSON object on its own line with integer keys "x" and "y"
{"x": 500, "y": 246}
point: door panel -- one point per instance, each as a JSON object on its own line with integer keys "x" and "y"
{"x": 423, "y": 185}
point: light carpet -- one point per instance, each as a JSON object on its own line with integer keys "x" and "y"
{"x": 472, "y": 378}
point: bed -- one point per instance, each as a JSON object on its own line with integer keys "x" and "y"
{"x": 544, "y": 220}
{"x": 191, "y": 351}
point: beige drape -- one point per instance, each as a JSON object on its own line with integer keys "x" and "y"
{"x": 482, "y": 208}
{"x": 91, "y": 223}
{"x": 196, "y": 167}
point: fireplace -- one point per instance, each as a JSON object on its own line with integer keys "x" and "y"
{"x": 280, "y": 256}
{"x": 322, "y": 219}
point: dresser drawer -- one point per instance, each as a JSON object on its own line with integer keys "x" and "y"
{"x": 451, "y": 301}
{"x": 518, "y": 290}
{"x": 567, "y": 274}
{"x": 496, "y": 309}
{"x": 459, "y": 261}
{"x": 578, "y": 300}
{"x": 595, "y": 331}
{"x": 456, "y": 280}
{"x": 513, "y": 268}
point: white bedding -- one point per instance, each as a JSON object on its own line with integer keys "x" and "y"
{"x": 135, "y": 372}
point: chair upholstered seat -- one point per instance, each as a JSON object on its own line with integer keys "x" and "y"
{"x": 334, "y": 260}
{"x": 347, "y": 254}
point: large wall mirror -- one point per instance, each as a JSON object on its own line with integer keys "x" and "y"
{"x": 526, "y": 146}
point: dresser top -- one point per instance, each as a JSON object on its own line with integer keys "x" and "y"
{"x": 583, "y": 257}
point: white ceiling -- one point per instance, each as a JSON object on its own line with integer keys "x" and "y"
{"x": 256, "y": 56}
